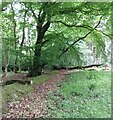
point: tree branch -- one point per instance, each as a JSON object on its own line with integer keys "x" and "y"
{"x": 44, "y": 42}
{"x": 34, "y": 15}
{"x": 45, "y": 27}
{"x": 80, "y": 38}
{"x": 81, "y": 26}
{"x": 23, "y": 30}
{"x": 68, "y": 25}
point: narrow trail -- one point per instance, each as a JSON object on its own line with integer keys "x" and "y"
{"x": 34, "y": 104}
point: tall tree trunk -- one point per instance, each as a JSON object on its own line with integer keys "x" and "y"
{"x": 36, "y": 68}
{"x": 15, "y": 44}
{"x": 5, "y": 64}
{"x": 111, "y": 35}
{"x": 37, "y": 65}
{"x": 42, "y": 26}
{"x": 23, "y": 39}
{"x": 6, "y": 59}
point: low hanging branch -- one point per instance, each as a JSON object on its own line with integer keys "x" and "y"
{"x": 82, "y": 26}
{"x": 79, "y": 38}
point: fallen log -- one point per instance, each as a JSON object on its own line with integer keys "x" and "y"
{"x": 8, "y": 82}
{"x": 77, "y": 67}
{"x": 94, "y": 65}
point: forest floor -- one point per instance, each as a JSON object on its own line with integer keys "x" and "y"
{"x": 33, "y": 104}
{"x": 58, "y": 94}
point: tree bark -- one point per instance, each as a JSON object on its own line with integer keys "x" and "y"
{"x": 6, "y": 59}
{"x": 37, "y": 65}
{"x": 23, "y": 38}
{"x": 42, "y": 27}
{"x": 111, "y": 18}
{"x": 15, "y": 45}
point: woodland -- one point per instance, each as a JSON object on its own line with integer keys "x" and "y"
{"x": 56, "y": 59}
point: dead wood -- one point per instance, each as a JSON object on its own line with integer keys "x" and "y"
{"x": 76, "y": 67}
{"x": 8, "y": 82}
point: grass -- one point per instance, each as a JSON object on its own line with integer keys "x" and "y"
{"x": 85, "y": 94}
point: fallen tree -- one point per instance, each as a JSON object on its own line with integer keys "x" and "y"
{"x": 76, "y": 67}
{"x": 8, "y": 82}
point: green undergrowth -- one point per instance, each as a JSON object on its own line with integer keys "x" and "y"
{"x": 85, "y": 94}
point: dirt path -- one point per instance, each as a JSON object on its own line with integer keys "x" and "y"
{"x": 34, "y": 105}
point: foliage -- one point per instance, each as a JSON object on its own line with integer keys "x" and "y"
{"x": 69, "y": 22}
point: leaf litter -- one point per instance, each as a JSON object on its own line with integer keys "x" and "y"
{"x": 34, "y": 104}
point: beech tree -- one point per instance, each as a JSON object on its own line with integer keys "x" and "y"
{"x": 58, "y": 30}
